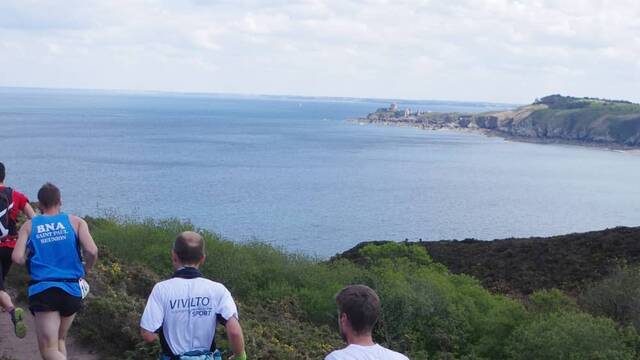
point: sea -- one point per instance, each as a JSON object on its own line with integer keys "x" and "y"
{"x": 294, "y": 172}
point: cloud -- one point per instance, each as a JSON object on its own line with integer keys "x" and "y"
{"x": 496, "y": 50}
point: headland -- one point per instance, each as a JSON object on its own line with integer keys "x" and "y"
{"x": 561, "y": 119}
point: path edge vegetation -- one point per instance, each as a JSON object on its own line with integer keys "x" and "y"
{"x": 287, "y": 307}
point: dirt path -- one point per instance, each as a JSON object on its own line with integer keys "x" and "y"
{"x": 27, "y": 349}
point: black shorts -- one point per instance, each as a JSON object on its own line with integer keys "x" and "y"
{"x": 55, "y": 299}
{"x": 5, "y": 264}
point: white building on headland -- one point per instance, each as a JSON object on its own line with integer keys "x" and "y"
{"x": 393, "y": 107}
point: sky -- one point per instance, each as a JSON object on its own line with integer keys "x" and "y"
{"x": 469, "y": 50}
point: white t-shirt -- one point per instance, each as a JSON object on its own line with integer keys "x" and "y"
{"x": 359, "y": 352}
{"x": 186, "y": 310}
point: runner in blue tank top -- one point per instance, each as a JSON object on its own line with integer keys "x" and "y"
{"x": 50, "y": 244}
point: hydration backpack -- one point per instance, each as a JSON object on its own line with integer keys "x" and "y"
{"x": 7, "y": 225}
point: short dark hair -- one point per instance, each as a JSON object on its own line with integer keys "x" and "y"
{"x": 189, "y": 247}
{"x": 2, "y": 172}
{"x": 361, "y": 305}
{"x": 49, "y": 196}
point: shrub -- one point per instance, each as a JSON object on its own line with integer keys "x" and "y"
{"x": 550, "y": 301}
{"x": 571, "y": 336}
{"x": 427, "y": 310}
{"x": 617, "y": 296}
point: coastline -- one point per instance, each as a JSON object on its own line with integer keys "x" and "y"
{"x": 631, "y": 150}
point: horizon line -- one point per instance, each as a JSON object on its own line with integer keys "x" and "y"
{"x": 206, "y": 93}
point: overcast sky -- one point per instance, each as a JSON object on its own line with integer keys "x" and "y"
{"x": 488, "y": 50}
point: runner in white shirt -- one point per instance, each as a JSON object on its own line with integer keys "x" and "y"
{"x": 183, "y": 311}
{"x": 359, "y": 310}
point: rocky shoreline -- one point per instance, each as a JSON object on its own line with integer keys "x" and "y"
{"x": 509, "y": 137}
{"x": 612, "y": 125}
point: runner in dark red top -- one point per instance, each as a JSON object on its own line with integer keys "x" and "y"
{"x": 11, "y": 204}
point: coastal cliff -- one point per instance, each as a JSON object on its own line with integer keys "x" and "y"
{"x": 554, "y": 118}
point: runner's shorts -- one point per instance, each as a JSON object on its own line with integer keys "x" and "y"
{"x": 5, "y": 264}
{"x": 55, "y": 299}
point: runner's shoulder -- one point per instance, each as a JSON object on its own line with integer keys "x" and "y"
{"x": 203, "y": 283}
{"x": 19, "y": 197}
{"x": 17, "y": 193}
{"x": 75, "y": 218}
{"x": 395, "y": 355}
{"x": 76, "y": 221}
{"x": 216, "y": 286}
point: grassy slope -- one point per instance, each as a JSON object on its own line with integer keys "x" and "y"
{"x": 288, "y": 312}
{"x": 136, "y": 255}
{"x": 287, "y": 307}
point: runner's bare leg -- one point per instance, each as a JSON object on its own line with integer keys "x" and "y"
{"x": 47, "y": 330}
{"x": 65, "y": 324}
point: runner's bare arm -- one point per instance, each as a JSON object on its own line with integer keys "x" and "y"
{"x": 28, "y": 211}
{"x": 148, "y": 336}
{"x": 90, "y": 250}
{"x": 19, "y": 255}
{"x": 234, "y": 334}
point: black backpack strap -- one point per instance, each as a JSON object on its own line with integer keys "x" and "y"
{"x": 164, "y": 345}
{"x": 7, "y": 194}
{"x": 6, "y": 199}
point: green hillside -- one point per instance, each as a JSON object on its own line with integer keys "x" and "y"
{"x": 581, "y": 119}
{"x": 288, "y": 312}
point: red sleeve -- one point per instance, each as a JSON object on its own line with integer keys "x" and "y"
{"x": 19, "y": 201}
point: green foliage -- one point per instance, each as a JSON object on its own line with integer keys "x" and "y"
{"x": 617, "y": 296}
{"x": 279, "y": 294}
{"x": 551, "y": 301}
{"x": 563, "y": 102}
{"x": 287, "y": 306}
{"x": 110, "y": 318}
{"x": 571, "y": 336}
{"x": 273, "y": 330}
{"x": 587, "y": 119}
{"x": 559, "y": 102}
{"x": 391, "y": 253}
{"x": 521, "y": 266}
{"x": 251, "y": 271}
{"x": 426, "y": 310}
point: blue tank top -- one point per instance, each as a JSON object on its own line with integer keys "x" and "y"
{"x": 54, "y": 255}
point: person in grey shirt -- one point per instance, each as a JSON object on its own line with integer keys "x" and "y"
{"x": 358, "y": 312}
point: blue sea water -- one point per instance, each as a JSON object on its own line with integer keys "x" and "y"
{"x": 293, "y": 172}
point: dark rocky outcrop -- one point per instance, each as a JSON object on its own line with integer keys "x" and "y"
{"x": 521, "y": 266}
